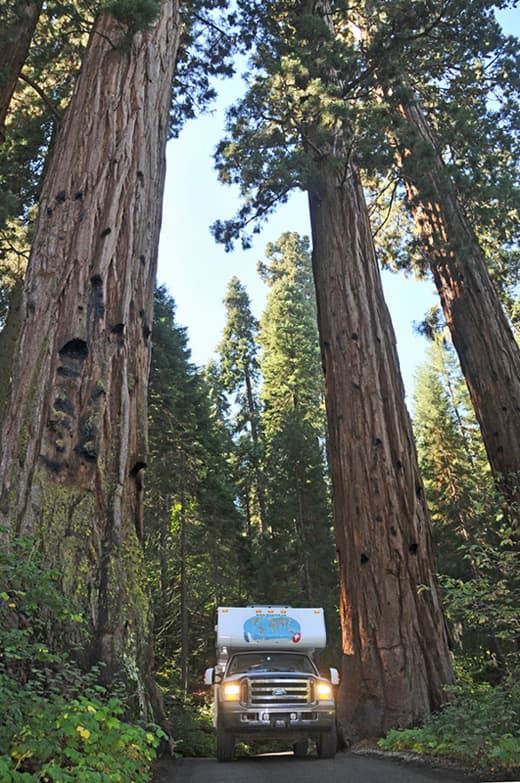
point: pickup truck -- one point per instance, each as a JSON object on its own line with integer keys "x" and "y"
{"x": 266, "y": 682}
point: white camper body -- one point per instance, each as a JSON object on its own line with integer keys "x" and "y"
{"x": 269, "y": 628}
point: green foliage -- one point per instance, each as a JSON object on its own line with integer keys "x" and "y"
{"x": 82, "y": 739}
{"x": 36, "y": 621}
{"x": 299, "y": 532}
{"x": 452, "y": 459}
{"x": 193, "y": 543}
{"x": 487, "y": 602}
{"x": 57, "y": 724}
{"x": 480, "y": 727}
{"x": 290, "y": 361}
{"x": 36, "y": 625}
{"x": 239, "y": 376}
{"x": 135, "y": 14}
{"x": 193, "y": 727}
{"x": 238, "y": 349}
{"x": 475, "y": 547}
{"x": 208, "y": 43}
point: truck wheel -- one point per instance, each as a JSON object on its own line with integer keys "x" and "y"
{"x": 225, "y": 746}
{"x": 327, "y": 744}
{"x": 300, "y": 748}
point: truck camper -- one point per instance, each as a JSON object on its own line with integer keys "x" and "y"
{"x": 266, "y": 682}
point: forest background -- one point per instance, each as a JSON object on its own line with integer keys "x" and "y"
{"x": 237, "y": 480}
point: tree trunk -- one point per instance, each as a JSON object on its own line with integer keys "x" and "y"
{"x": 13, "y": 52}
{"x": 488, "y": 353}
{"x": 395, "y": 651}
{"x": 259, "y": 479}
{"x": 8, "y": 337}
{"x": 304, "y": 544}
{"x": 74, "y": 441}
{"x": 184, "y": 583}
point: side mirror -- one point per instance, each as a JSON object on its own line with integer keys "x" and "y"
{"x": 334, "y": 676}
{"x": 208, "y": 676}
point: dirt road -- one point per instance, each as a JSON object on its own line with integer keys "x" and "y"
{"x": 284, "y": 768}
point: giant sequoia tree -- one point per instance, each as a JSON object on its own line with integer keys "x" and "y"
{"x": 74, "y": 440}
{"x": 441, "y": 171}
{"x": 481, "y": 334}
{"x": 293, "y": 128}
{"x": 38, "y": 73}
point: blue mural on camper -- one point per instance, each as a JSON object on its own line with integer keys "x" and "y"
{"x": 269, "y": 627}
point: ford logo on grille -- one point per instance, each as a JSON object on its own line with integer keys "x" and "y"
{"x": 279, "y": 692}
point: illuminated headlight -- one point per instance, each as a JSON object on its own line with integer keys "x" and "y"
{"x": 323, "y": 691}
{"x": 231, "y": 691}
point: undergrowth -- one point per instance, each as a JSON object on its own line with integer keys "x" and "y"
{"x": 58, "y": 725}
{"x": 479, "y": 727}
{"x": 193, "y": 730}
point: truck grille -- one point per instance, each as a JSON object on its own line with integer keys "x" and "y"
{"x": 270, "y": 692}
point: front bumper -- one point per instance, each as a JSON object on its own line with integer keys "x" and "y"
{"x": 309, "y": 720}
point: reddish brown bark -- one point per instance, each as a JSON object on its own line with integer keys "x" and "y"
{"x": 13, "y": 52}
{"x": 395, "y": 652}
{"x": 488, "y": 353}
{"x": 74, "y": 441}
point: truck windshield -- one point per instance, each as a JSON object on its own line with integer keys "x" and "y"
{"x": 270, "y": 662}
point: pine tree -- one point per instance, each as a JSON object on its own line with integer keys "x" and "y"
{"x": 297, "y": 500}
{"x": 451, "y": 455}
{"x": 239, "y": 376}
{"x": 475, "y": 549}
{"x": 193, "y": 547}
{"x": 290, "y": 364}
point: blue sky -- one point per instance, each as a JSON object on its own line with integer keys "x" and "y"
{"x": 196, "y": 270}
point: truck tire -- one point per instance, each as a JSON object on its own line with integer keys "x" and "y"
{"x": 225, "y": 745}
{"x": 327, "y": 744}
{"x": 300, "y": 748}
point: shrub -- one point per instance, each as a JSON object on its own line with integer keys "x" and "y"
{"x": 193, "y": 730}
{"x": 80, "y": 740}
{"x": 479, "y": 727}
{"x": 57, "y": 724}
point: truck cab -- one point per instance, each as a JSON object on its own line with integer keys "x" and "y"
{"x": 266, "y": 682}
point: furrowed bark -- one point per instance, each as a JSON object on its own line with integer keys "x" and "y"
{"x": 74, "y": 440}
{"x": 395, "y": 652}
{"x": 488, "y": 353}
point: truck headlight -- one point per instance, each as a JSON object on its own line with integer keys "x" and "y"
{"x": 231, "y": 691}
{"x": 323, "y": 691}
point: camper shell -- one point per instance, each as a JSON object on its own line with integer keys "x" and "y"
{"x": 266, "y": 682}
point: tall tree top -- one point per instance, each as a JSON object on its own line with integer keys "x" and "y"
{"x": 290, "y": 360}
{"x": 238, "y": 349}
